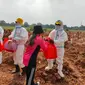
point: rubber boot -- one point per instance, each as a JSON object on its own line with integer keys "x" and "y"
{"x": 61, "y": 74}
{"x": 50, "y": 64}
{"x": 22, "y": 71}
{"x": 17, "y": 69}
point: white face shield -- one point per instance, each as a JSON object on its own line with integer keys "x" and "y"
{"x": 57, "y": 27}
{"x": 17, "y": 25}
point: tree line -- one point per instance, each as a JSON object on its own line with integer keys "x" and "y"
{"x": 50, "y": 26}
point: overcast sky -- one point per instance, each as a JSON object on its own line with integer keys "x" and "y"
{"x": 71, "y": 12}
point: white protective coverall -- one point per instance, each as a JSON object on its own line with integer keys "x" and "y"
{"x": 59, "y": 36}
{"x": 1, "y": 41}
{"x": 19, "y": 34}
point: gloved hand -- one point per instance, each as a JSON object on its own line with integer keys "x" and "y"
{"x": 49, "y": 40}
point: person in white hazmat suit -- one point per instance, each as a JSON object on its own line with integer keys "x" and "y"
{"x": 59, "y": 36}
{"x": 1, "y": 42}
{"x": 20, "y": 35}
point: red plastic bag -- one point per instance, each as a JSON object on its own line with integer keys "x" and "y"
{"x": 9, "y": 45}
{"x": 5, "y": 40}
{"x": 51, "y": 52}
{"x": 1, "y": 46}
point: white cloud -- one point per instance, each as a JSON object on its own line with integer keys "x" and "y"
{"x": 44, "y": 11}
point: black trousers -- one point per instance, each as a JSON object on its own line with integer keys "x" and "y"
{"x": 30, "y": 69}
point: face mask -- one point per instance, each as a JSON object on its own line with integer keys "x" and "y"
{"x": 57, "y": 27}
{"x": 17, "y": 26}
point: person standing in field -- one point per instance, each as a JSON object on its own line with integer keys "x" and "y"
{"x": 59, "y": 36}
{"x": 35, "y": 42}
{"x": 1, "y": 43}
{"x": 20, "y": 36}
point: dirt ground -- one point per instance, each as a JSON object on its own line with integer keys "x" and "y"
{"x": 74, "y": 66}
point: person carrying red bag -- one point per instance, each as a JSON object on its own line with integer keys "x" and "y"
{"x": 20, "y": 36}
{"x": 59, "y": 36}
{"x": 1, "y": 43}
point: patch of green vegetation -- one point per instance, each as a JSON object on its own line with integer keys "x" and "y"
{"x": 8, "y": 27}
